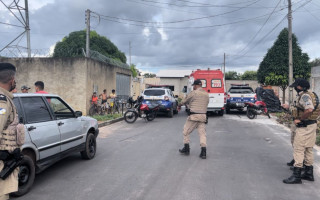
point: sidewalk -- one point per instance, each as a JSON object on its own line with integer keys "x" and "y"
{"x": 106, "y": 123}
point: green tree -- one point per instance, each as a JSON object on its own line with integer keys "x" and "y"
{"x": 232, "y": 75}
{"x": 249, "y": 75}
{"x": 134, "y": 70}
{"x": 274, "y": 68}
{"x": 315, "y": 62}
{"x": 149, "y": 75}
{"x": 72, "y": 45}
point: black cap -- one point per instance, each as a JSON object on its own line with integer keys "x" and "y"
{"x": 197, "y": 82}
{"x": 7, "y": 66}
{"x": 25, "y": 87}
{"x": 301, "y": 82}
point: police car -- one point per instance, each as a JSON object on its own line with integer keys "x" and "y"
{"x": 238, "y": 95}
{"x": 162, "y": 96}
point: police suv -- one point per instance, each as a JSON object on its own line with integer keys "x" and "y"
{"x": 238, "y": 94}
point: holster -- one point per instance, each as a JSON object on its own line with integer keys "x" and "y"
{"x": 192, "y": 113}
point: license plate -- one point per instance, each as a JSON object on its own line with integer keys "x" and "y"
{"x": 240, "y": 104}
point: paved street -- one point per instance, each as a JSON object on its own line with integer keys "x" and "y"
{"x": 246, "y": 159}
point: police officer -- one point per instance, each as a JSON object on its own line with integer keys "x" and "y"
{"x": 197, "y": 101}
{"x": 11, "y": 132}
{"x": 305, "y": 112}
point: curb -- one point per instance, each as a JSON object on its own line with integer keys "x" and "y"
{"x": 106, "y": 123}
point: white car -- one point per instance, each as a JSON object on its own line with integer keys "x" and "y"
{"x": 53, "y": 130}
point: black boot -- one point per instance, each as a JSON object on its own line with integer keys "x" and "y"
{"x": 290, "y": 163}
{"x": 185, "y": 150}
{"x": 308, "y": 174}
{"x": 203, "y": 153}
{"x": 295, "y": 178}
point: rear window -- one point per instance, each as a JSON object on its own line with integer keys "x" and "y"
{"x": 246, "y": 90}
{"x": 154, "y": 92}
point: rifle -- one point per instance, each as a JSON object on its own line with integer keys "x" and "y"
{"x": 13, "y": 161}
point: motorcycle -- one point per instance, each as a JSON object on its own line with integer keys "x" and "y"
{"x": 142, "y": 110}
{"x": 130, "y": 103}
{"x": 257, "y": 108}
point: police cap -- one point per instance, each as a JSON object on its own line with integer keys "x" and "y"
{"x": 197, "y": 82}
{"x": 7, "y": 66}
{"x": 301, "y": 82}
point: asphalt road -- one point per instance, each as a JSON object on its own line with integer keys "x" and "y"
{"x": 246, "y": 159}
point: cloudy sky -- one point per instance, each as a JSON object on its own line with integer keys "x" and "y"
{"x": 173, "y": 34}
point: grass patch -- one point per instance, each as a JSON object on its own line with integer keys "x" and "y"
{"x": 106, "y": 117}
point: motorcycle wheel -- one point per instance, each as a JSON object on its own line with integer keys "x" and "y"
{"x": 128, "y": 105}
{"x": 250, "y": 113}
{"x": 130, "y": 116}
{"x": 151, "y": 116}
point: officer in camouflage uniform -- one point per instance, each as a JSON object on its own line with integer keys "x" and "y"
{"x": 305, "y": 113}
{"x": 11, "y": 132}
{"x": 197, "y": 101}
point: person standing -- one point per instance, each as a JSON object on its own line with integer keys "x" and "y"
{"x": 197, "y": 101}
{"x": 39, "y": 86}
{"x": 11, "y": 132}
{"x": 305, "y": 113}
{"x": 103, "y": 96}
{"x": 25, "y": 89}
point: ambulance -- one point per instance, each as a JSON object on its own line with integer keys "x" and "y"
{"x": 213, "y": 83}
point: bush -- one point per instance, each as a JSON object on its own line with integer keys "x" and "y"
{"x": 106, "y": 117}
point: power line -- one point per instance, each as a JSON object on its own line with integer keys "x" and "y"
{"x": 178, "y": 21}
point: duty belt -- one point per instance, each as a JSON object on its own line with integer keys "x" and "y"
{"x": 306, "y": 123}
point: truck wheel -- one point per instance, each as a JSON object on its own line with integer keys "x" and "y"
{"x": 26, "y": 176}
{"x": 221, "y": 112}
{"x": 90, "y": 147}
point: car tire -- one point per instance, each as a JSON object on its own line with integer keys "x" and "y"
{"x": 170, "y": 113}
{"x": 26, "y": 176}
{"x": 90, "y": 147}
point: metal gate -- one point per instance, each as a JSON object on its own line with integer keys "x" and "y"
{"x": 123, "y": 86}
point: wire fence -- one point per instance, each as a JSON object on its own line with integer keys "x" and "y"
{"x": 61, "y": 52}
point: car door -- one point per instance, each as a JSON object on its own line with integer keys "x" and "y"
{"x": 69, "y": 125}
{"x": 43, "y": 130}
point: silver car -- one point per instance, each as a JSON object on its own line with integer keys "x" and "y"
{"x": 53, "y": 130}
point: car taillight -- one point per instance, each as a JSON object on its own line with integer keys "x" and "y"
{"x": 255, "y": 97}
{"x": 166, "y": 98}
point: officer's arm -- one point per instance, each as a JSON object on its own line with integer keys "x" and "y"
{"x": 306, "y": 102}
{"x": 4, "y": 114}
{"x": 187, "y": 99}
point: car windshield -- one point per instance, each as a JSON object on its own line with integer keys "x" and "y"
{"x": 154, "y": 92}
{"x": 241, "y": 90}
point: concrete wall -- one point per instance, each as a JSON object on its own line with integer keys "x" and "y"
{"x": 178, "y": 84}
{"x": 101, "y": 76}
{"x": 71, "y": 78}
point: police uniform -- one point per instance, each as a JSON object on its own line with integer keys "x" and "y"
{"x": 303, "y": 136}
{"x": 11, "y": 138}
{"x": 197, "y": 101}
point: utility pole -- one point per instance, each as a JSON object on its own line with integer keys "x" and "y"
{"x": 224, "y": 65}
{"x": 290, "y": 51}
{"x": 129, "y": 53}
{"x": 88, "y": 33}
{"x": 28, "y": 29}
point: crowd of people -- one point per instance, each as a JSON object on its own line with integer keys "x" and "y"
{"x": 39, "y": 88}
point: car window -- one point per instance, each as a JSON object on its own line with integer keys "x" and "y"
{"x": 154, "y": 92}
{"x": 241, "y": 90}
{"x": 19, "y": 109}
{"x": 35, "y": 110}
{"x": 216, "y": 83}
{"x": 59, "y": 108}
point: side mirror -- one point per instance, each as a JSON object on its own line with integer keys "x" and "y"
{"x": 78, "y": 114}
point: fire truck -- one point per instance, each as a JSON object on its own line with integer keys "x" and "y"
{"x": 213, "y": 83}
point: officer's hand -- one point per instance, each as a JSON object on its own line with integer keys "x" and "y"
{"x": 296, "y": 121}
{"x": 285, "y": 106}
